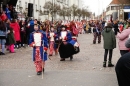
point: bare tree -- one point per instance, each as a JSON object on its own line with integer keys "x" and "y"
{"x": 63, "y": 12}
{"x": 85, "y": 13}
{"x": 56, "y": 8}
{"x": 79, "y": 13}
{"x": 74, "y": 10}
{"x": 52, "y": 8}
{"x": 68, "y": 13}
{"x": 49, "y": 6}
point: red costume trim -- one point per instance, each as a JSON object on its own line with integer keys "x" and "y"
{"x": 45, "y": 48}
{"x": 31, "y": 45}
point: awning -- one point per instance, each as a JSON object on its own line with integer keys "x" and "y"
{"x": 126, "y": 10}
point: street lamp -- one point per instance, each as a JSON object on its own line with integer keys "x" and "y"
{"x": 98, "y": 9}
{"x": 1, "y": 6}
{"x": 52, "y": 10}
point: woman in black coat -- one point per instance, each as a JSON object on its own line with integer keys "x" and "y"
{"x": 123, "y": 68}
{"x": 22, "y": 33}
{"x": 115, "y": 25}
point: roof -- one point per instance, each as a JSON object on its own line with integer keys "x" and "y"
{"x": 120, "y": 2}
{"x": 115, "y": 2}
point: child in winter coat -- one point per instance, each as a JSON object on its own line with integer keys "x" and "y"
{"x": 11, "y": 40}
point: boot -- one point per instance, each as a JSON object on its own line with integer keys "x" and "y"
{"x": 62, "y": 59}
{"x": 39, "y": 73}
{"x": 99, "y": 42}
{"x": 94, "y": 42}
{"x": 71, "y": 57}
{"x": 43, "y": 70}
{"x": 110, "y": 64}
{"x": 104, "y": 64}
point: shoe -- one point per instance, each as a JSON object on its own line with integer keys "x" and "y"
{"x": 7, "y": 49}
{"x": 99, "y": 42}
{"x": 1, "y": 53}
{"x": 94, "y": 42}
{"x": 62, "y": 59}
{"x": 104, "y": 64}
{"x": 56, "y": 53}
{"x": 39, "y": 73}
{"x": 110, "y": 64}
{"x": 71, "y": 58}
{"x": 50, "y": 55}
{"x": 43, "y": 70}
{"x": 12, "y": 52}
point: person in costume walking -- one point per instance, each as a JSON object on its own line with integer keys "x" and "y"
{"x": 38, "y": 41}
{"x": 66, "y": 47}
{"x": 97, "y": 32}
{"x": 51, "y": 37}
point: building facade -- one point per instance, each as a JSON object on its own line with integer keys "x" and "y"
{"x": 38, "y": 8}
{"x": 118, "y": 10}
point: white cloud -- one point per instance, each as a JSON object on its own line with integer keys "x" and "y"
{"x": 96, "y": 6}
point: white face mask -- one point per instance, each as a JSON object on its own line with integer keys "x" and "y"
{"x": 52, "y": 29}
{"x": 63, "y": 28}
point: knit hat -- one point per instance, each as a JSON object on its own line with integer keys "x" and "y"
{"x": 109, "y": 24}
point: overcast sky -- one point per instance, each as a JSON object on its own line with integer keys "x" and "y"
{"x": 96, "y": 6}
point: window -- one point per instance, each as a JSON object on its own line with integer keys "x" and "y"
{"x": 58, "y": 0}
{"x": 40, "y": 8}
{"x": 36, "y": 7}
{"x": 114, "y": 8}
{"x": 20, "y": 4}
{"x": 108, "y": 8}
{"x": 26, "y": 5}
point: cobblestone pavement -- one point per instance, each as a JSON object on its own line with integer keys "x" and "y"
{"x": 85, "y": 70}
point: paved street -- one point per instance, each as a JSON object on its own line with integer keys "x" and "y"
{"x": 85, "y": 70}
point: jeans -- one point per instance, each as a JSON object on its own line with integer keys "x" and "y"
{"x": 2, "y": 41}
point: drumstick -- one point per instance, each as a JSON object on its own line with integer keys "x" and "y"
{"x": 42, "y": 69}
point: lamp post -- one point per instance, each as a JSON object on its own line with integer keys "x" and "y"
{"x": 52, "y": 10}
{"x": 33, "y": 8}
{"x": 102, "y": 12}
{"x": 1, "y": 6}
{"x": 98, "y": 9}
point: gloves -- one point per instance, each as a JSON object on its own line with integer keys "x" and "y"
{"x": 48, "y": 37}
{"x": 45, "y": 49}
{"x": 54, "y": 35}
{"x": 32, "y": 44}
{"x": 65, "y": 38}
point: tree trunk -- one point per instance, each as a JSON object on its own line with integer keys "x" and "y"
{"x": 79, "y": 17}
{"x": 73, "y": 17}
